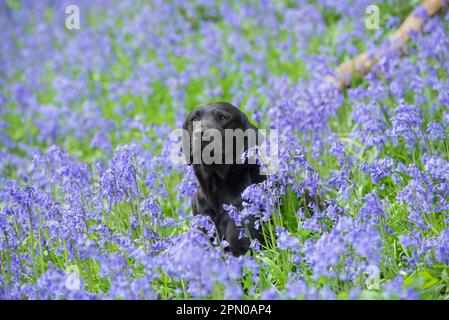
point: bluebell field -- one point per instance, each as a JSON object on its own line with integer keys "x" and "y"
{"x": 91, "y": 207}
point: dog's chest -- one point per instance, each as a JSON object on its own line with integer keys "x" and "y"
{"x": 227, "y": 191}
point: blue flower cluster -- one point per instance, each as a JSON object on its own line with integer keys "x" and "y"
{"x": 92, "y": 208}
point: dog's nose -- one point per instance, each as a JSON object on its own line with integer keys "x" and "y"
{"x": 202, "y": 127}
{"x": 207, "y": 124}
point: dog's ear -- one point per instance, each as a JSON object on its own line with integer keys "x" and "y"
{"x": 186, "y": 145}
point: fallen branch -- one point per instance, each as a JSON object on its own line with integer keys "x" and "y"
{"x": 363, "y": 63}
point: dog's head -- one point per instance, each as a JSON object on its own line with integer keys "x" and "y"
{"x": 213, "y": 121}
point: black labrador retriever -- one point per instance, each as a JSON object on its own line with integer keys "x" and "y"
{"x": 222, "y": 183}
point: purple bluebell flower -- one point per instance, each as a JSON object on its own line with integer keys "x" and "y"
{"x": 406, "y": 123}
{"x": 286, "y": 241}
{"x": 435, "y": 131}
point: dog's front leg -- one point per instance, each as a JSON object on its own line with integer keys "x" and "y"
{"x": 200, "y": 206}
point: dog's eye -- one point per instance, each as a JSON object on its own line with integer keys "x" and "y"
{"x": 221, "y": 116}
{"x": 194, "y": 119}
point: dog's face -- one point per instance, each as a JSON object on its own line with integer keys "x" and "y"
{"x": 218, "y": 117}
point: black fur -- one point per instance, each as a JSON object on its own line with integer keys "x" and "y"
{"x": 223, "y": 183}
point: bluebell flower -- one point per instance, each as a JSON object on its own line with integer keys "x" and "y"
{"x": 435, "y": 131}
{"x": 286, "y": 241}
{"x": 442, "y": 247}
{"x": 406, "y": 123}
